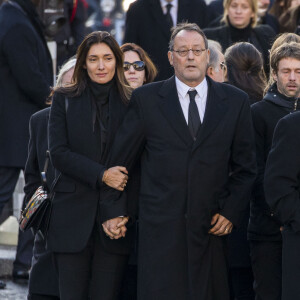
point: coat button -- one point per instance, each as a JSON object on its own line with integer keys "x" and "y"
{"x": 272, "y": 215}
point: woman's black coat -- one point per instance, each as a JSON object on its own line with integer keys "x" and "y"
{"x": 74, "y": 153}
{"x": 43, "y": 278}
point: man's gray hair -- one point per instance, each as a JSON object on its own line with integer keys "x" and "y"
{"x": 215, "y": 48}
{"x": 188, "y": 27}
{"x": 64, "y": 69}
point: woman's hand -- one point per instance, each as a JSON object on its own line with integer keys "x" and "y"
{"x": 115, "y": 228}
{"x": 116, "y": 177}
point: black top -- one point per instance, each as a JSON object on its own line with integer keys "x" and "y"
{"x": 240, "y": 35}
{"x": 266, "y": 114}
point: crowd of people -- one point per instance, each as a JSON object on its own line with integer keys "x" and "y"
{"x": 174, "y": 168}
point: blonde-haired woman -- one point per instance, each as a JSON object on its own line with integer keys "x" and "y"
{"x": 240, "y": 18}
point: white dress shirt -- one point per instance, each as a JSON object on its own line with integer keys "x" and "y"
{"x": 173, "y": 10}
{"x": 184, "y": 98}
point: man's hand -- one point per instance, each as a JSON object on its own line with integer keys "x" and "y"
{"x": 115, "y": 177}
{"x": 222, "y": 226}
{"x": 115, "y": 228}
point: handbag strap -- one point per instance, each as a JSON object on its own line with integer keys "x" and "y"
{"x": 45, "y": 169}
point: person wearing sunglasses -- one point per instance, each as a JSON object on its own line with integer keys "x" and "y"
{"x": 138, "y": 67}
{"x": 138, "y": 70}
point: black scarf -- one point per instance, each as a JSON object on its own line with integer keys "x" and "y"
{"x": 288, "y": 103}
{"x": 100, "y": 110}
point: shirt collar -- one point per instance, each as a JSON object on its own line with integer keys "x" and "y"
{"x": 163, "y": 3}
{"x": 201, "y": 88}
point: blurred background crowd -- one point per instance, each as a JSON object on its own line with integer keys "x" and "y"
{"x": 147, "y": 23}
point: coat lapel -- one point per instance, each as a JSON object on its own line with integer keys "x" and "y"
{"x": 170, "y": 107}
{"x": 214, "y": 112}
{"x": 156, "y": 11}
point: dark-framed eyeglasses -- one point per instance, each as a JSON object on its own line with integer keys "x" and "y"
{"x": 183, "y": 53}
{"x": 223, "y": 66}
{"x": 137, "y": 65}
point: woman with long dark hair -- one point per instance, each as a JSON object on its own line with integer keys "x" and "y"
{"x": 245, "y": 70}
{"x": 83, "y": 121}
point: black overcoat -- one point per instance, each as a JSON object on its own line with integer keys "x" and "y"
{"x": 282, "y": 190}
{"x": 147, "y": 27}
{"x": 282, "y": 175}
{"x": 43, "y": 278}
{"x": 183, "y": 184}
{"x": 25, "y": 80}
{"x": 73, "y": 152}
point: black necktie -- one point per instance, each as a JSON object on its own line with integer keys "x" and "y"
{"x": 194, "y": 118}
{"x": 168, "y": 15}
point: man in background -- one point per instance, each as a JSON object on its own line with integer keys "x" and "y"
{"x": 216, "y": 69}
{"x": 25, "y": 80}
{"x": 149, "y": 23}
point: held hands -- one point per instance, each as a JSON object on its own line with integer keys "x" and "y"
{"x": 222, "y": 226}
{"x": 115, "y": 228}
{"x": 116, "y": 177}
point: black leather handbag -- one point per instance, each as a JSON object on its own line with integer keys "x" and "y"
{"x": 37, "y": 212}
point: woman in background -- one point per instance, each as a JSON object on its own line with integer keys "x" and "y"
{"x": 240, "y": 18}
{"x": 43, "y": 284}
{"x": 245, "y": 71}
{"x": 138, "y": 69}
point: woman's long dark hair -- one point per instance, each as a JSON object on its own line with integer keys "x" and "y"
{"x": 80, "y": 77}
{"x": 245, "y": 69}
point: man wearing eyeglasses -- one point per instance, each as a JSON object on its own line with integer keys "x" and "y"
{"x": 216, "y": 69}
{"x": 194, "y": 139}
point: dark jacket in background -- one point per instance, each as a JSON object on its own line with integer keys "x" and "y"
{"x": 282, "y": 187}
{"x": 266, "y": 114}
{"x": 147, "y": 27}
{"x": 25, "y": 79}
{"x": 261, "y": 37}
{"x": 282, "y": 178}
{"x": 43, "y": 278}
{"x": 73, "y": 32}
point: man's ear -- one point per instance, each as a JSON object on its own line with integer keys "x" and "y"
{"x": 210, "y": 71}
{"x": 208, "y": 55}
{"x": 170, "y": 57}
